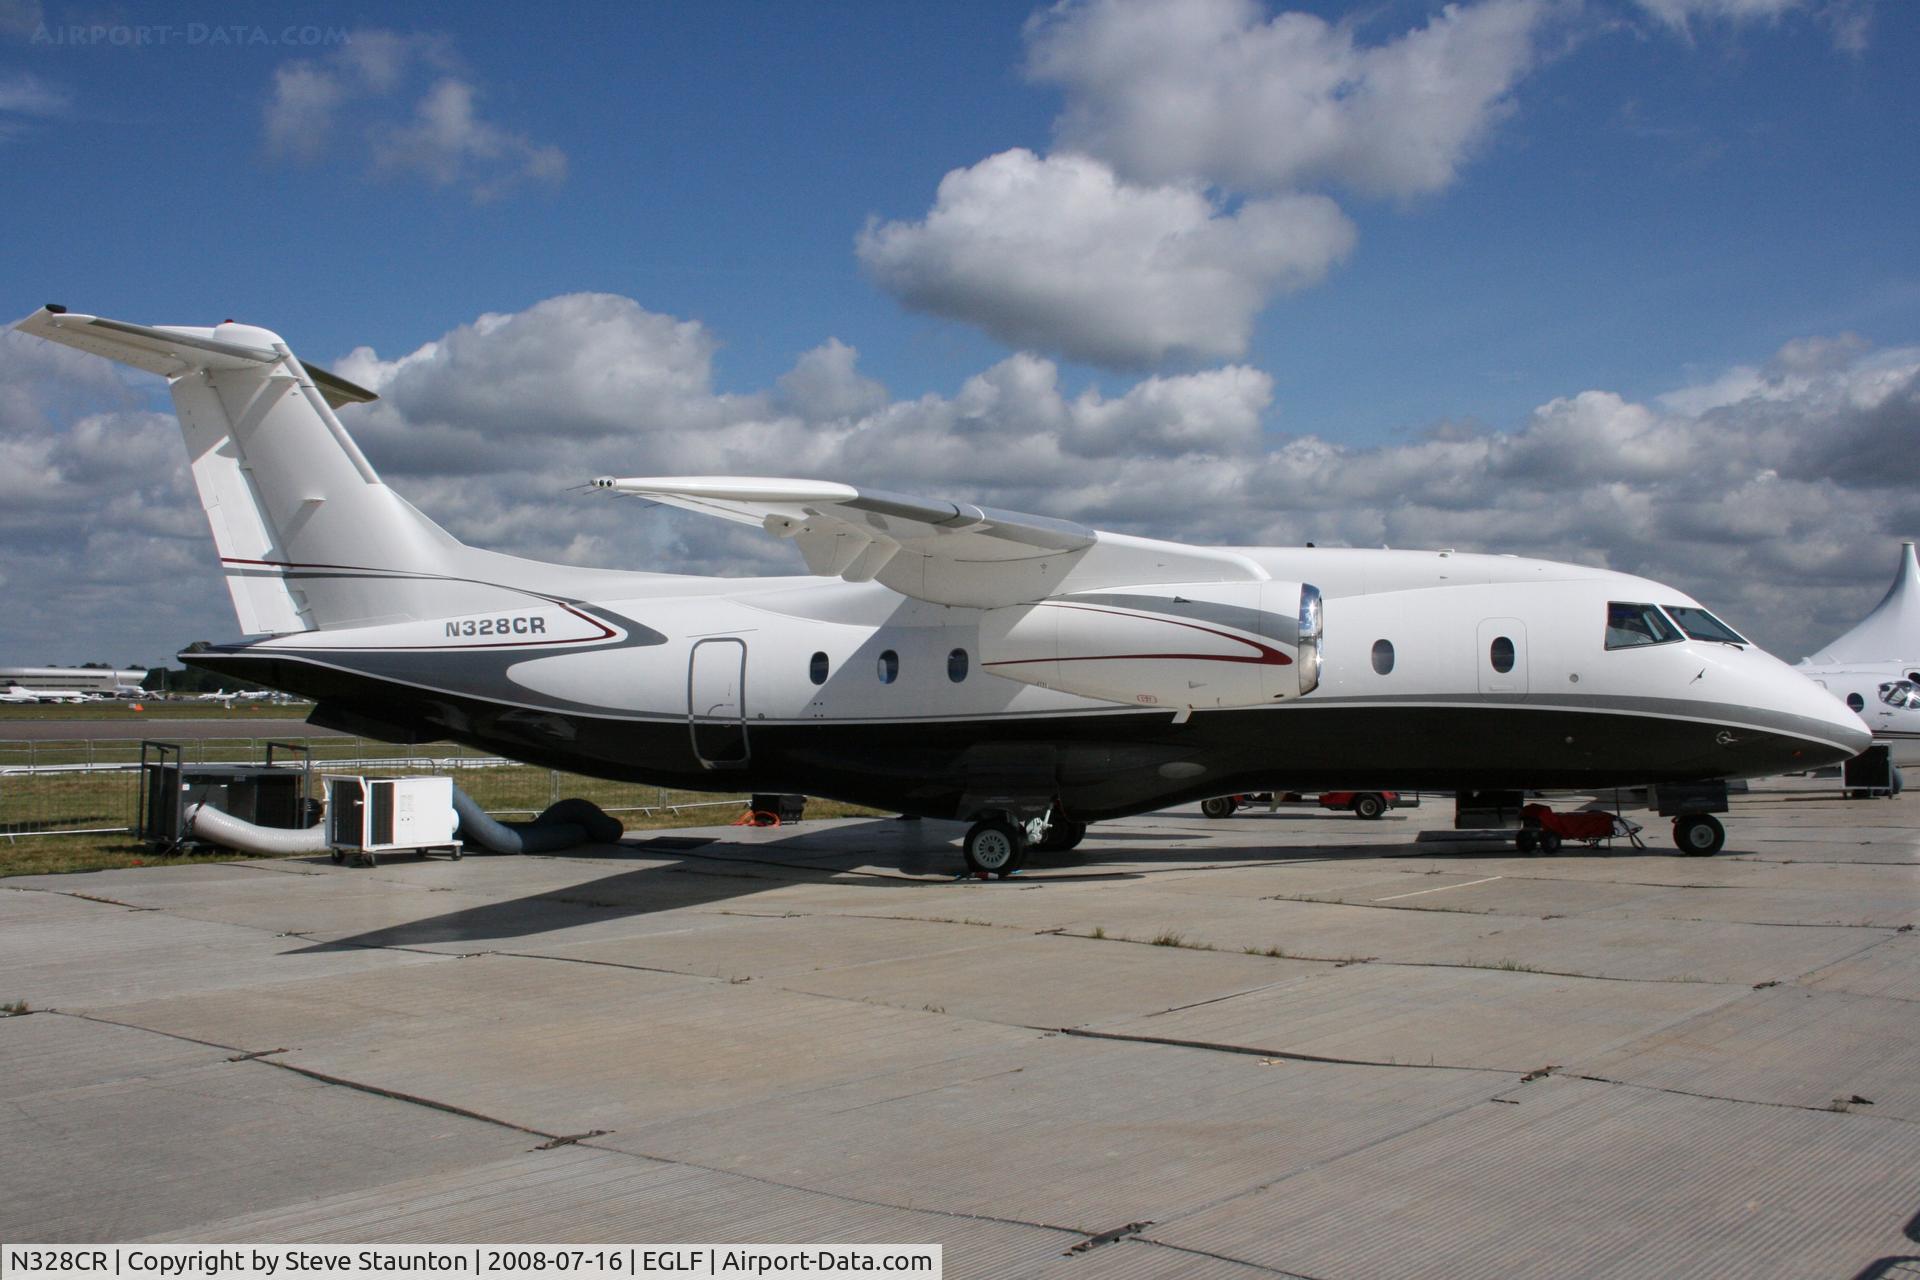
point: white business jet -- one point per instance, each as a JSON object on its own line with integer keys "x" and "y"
{"x": 238, "y": 695}
{"x": 20, "y": 693}
{"x": 1024, "y": 674}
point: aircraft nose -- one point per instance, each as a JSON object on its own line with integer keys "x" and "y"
{"x": 1859, "y": 736}
{"x": 1847, "y": 732}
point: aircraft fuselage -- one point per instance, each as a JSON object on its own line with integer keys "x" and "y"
{"x": 851, "y": 691}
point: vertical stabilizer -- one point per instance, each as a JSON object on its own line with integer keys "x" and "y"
{"x": 1891, "y": 632}
{"x": 308, "y": 536}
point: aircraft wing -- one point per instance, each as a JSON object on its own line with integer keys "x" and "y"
{"x": 940, "y": 551}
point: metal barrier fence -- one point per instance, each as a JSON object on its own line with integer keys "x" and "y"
{"x": 93, "y": 786}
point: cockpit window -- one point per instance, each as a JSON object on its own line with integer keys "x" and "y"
{"x": 1903, "y": 695}
{"x": 1630, "y": 625}
{"x": 1701, "y": 625}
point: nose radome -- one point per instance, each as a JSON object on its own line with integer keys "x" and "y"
{"x": 1803, "y": 697}
{"x": 1859, "y": 736}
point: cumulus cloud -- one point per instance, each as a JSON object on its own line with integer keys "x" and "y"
{"x": 355, "y": 89}
{"x": 96, "y": 508}
{"x": 1216, "y": 91}
{"x": 447, "y": 142}
{"x": 824, "y": 385}
{"x": 586, "y": 366}
{"x": 1195, "y": 145}
{"x": 1776, "y": 493}
{"x": 1058, "y": 254}
{"x": 1773, "y": 491}
{"x": 1180, "y": 201}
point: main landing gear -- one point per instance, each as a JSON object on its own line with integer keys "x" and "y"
{"x": 995, "y": 847}
{"x": 1061, "y": 835}
{"x": 998, "y": 845}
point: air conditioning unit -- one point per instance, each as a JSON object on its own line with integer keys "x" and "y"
{"x": 372, "y": 816}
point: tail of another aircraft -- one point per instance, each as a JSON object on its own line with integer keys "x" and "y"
{"x": 308, "y": 536}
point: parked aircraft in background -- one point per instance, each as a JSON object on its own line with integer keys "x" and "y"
{"x": 1028, "y": 675}
{"x": 16, "y": 693}
{"x": 1875, "y": 667}
{"x": 239, "y": 695}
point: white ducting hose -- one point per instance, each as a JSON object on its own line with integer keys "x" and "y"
{"x": 236, "y": 833}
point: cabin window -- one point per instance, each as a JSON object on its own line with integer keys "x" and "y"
{"x": 957, "y": 665}
{"x": 1632, "y": 625}
{"x": 889, "y": 667}
{"x": 1902, "y": 695}
{"x": 817, "y": 669}
{"x": 1856, "y": 702}
{"x": 1382, "y": 656}
{"x": 1701, "y": 625}
{"x": 1500, "y": 653}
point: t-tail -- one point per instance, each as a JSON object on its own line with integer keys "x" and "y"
{"x": 308, "y": 536}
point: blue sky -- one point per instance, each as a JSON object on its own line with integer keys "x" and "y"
{"x": 1219, "y": 274}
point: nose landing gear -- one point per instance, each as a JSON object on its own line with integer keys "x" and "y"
{"x": 1699, "y": 834}
{"x": 1691, "y": 805}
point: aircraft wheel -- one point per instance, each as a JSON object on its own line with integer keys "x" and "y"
{"x": 1549, "y": 842}
{"x": 1060, "y": 837}
{"x": 339, "y": 858}
{"x": 1526, "y": 840}
{"x": 1218, "y": 807}
{"x": 994, "y": 847}
{"x": 1699, "y": 834}
{"x": 1368, "y": 805}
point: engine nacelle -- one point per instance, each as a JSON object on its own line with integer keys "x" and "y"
{"x": 1183, "y": 644}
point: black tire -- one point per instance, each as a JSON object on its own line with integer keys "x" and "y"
{"x": 1219, "y": 807}
{"x": 1061, "y": 836}
{"x": 1527, "y": 840}
{"x": 1549, "y": 842}
{"x": 339, "y": 858}
{"x": 994, "y": 847}
{"x": 1369, "y": 805}
{"x": 1698, "y": 834}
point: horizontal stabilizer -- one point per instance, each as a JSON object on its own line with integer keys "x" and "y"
{"x": 171, "y": 351}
